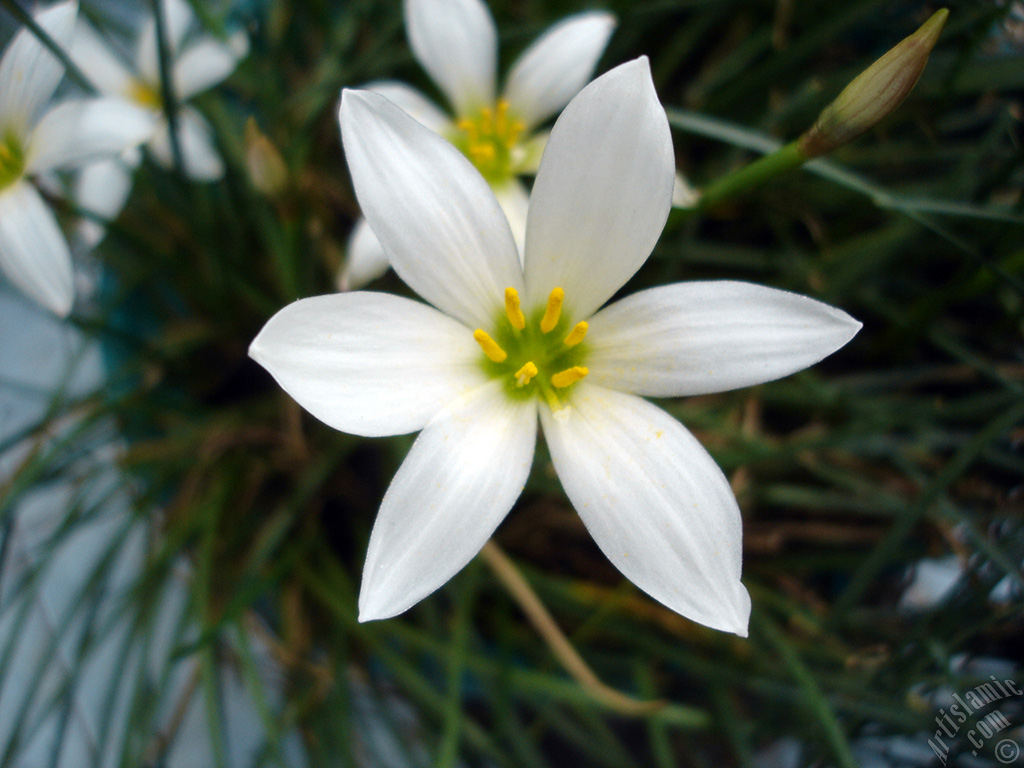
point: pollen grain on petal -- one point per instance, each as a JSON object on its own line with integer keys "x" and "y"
{"x": 490, "y": 347}
{"x": 569, "y": 376}
{"x": 513, "y": 310}
{"x": 577, "y": 334}
{"x": 553, "y": 312}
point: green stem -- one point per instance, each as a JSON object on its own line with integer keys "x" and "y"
{"x": 784, "y": 159}
{"x": 168, "y": 97}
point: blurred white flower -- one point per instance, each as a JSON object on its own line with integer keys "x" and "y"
{"x": 37, "y": 138}
{"x": 456, "y": 42}
{"x": 375, "y": 364}
{"x": 198, "y": 62}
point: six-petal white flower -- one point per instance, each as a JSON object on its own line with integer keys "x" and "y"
{"x": 36, "y": 139}
{"x": 456, "y": 42}
{"x": 507, "y": 343}
{"x": 197, "y": 62}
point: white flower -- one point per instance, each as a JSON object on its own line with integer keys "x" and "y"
{"x": 507, "y": 344}
{"x": 456, "y": 42}
{"x": 36, "y": 139}
{"x": 197, "y": 62}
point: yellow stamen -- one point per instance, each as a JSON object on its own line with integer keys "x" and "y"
{"x": 489, "y": 346}
{"x": 552, "y": 399}
{"x": 569, "y": 376}
{"x": 501, "y": 117}
{"x": 553, "y": 311}
{"x": 525, "y": 374}
{"x": 145, "y": 94}
{"x": 483, "y": 153}
{"x": 577, "y": 334}
{"x": 515, "y": 314}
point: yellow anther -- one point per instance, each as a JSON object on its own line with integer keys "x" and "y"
{"x": 483, "y": 152}
{"x": 577, "y": 334}
{"x": 569, "y": 376}
{"x": 553, "y": 311}
{"x": 514, "y": 132}
{"x": 490, "y": 347}
{"x": 525, "y": 374}
{"x": 145, "y": 94}
{"x": 515, "y": 314}
{"x": 501, "y": 117}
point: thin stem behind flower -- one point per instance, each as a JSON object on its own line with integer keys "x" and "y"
{"x": 564, "y": 651}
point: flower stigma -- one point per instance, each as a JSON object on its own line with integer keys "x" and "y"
{"x": 488, "y": 138}
{"x": 542, "y": 356}
{"x": 12, "y": 161}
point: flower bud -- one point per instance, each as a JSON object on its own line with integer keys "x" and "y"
{"x": 874, "y": 93}
{"x": 266, "y": 167}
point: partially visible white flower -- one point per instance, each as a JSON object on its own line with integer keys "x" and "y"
{"x": 37, "y": 139}
{"x": 197, "y": 62}
{"x": 508, "y": 343}
{"x": 684, "y": 195}
{"x": 456, "y": 42}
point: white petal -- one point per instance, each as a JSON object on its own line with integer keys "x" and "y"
{"x": 365, "y": 259}
{"x": 178, "y": 17}
{"x": 684, "y": 194}
{"x": 557, "y": 65}
{"x": 603, "y": 191}
{"x": 199, "y": 154}
{"x": 29, "y": 72}
{"x": 369, "y": 364}
{"x": 696, "y": 338}
{"x": 654, "y": 501}
{"x": 435, "y": 215}
{"x": 457, "y": 43}
{"x": 412, "y": 102}
{"x": 462, "y": 476}
{"x": 80, "y": 130}
{"x": 102, "y": 189}
{"x": 514, "y": 202}
{"x": 202, "y": 66}
{"x": 33, "y": 252}
{"x": 95, "y": 57}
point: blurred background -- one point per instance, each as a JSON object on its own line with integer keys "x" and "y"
{"x": 181, "y": 545}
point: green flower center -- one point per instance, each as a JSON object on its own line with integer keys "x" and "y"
{"x": 541, "y": 355}
{"x": 488, "y": 139}
{"x": 12, "y": 160}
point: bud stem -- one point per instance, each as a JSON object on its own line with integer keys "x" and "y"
{"x": 781, "y": 160}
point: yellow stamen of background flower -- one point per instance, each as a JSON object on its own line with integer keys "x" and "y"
{"x": 569, "y": 376}
{"x": 482, "y": 153}
{"x": 510, "y": 131}
{"x": 145, "y": 94}
{"x": 488, "y": 137}
{"x": 515, "y": 314}
{"x": 553, "y": 311}
{"x": 577, "y": 334}
{"x": 525, "y": 374}
{"x": 489, "y": 346}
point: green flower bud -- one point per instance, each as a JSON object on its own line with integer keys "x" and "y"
{"x": 266, "y": 167}
{"x": 874, "y": 93}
